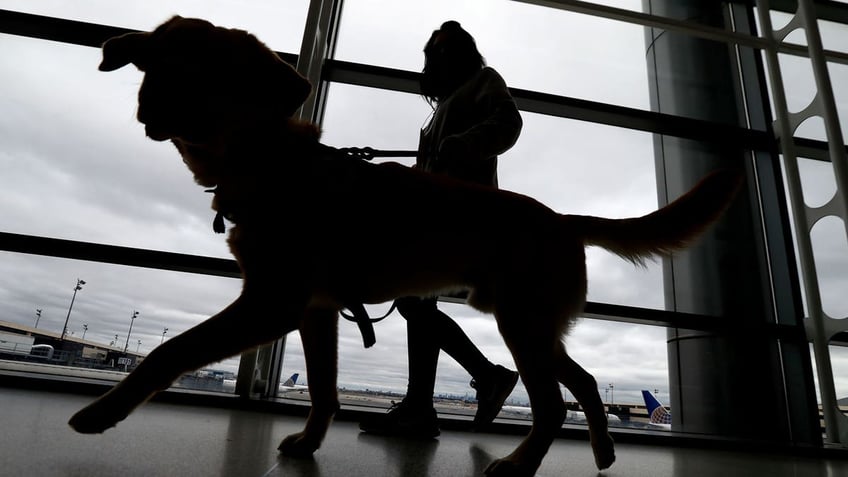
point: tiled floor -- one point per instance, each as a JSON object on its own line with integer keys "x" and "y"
{"x": 177, "y": 440}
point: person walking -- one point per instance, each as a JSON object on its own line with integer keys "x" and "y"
{"x": 474, "y": 120}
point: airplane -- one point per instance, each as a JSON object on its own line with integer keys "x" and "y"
{"x": 288, "y": 385}
{"x": 660, "y": 416}
{"x": 570, "y": 416}
{"x": 291, "y": 383}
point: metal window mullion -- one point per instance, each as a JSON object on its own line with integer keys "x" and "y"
{"x": 827, "y": 103}
{"x": 826, "y": 108}
{"x": 649, "y": 20}
{"x": 314, "y": 50}
{"x": 835, "y": 422}
{"x": 259, "y": 369}
{"x": 803, "y": 51}
{"x": 681, "y": 26}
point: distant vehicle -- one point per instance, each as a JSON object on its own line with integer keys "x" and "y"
{"x": 42, "y": 351}
{"x": 571, "y": 416}
{"x": 660, "y": 416}
{"x": 287, "y": 385}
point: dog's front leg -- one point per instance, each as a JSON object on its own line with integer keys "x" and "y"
{"x": 226, "y": 334}
{"x": 319, "y": 335}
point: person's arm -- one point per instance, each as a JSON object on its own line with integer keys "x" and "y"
{"x": 499, "y": 128}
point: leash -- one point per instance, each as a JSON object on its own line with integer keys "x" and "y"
{"x": 369, "y": 153}
{"x": 358, "y": 314}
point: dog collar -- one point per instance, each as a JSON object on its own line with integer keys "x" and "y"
{"x": 218, "y": 222}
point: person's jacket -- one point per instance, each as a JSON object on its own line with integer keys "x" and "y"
{"x": 481, "y": 120}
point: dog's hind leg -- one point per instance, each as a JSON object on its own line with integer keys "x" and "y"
{"x": 319, "y": 335}
{"x": 532, "y": 348}
{"x": 240, "y": 326}
{"x": 585, "y": 390}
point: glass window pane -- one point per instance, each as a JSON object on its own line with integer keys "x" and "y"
{"x": 800, "y": 87}
{"x": 839, "y": 363}
{"x": 834, "y": 36}
{"x": 570, "y": 166}
{"x": 624, "y": 358}
{"x": 818, "y": 183}
{"x": 830, "y": 250}
{"x": 799, "y": 80}
{"x": 278, "y": 23}
{"x": 99, "y": 314}
{"x": 839, "y": 80}
{"x": 567, "y": 165}
{"x": 533, "y": 47}
{"x": 827, "y": 237}
{"x": 577, "y": 167}
{"x": 838, "y": 354}
{"x": 77, "y": 164}
{"x": 359, "y": 117}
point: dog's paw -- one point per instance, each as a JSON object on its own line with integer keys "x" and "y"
{"x": 95, "y": 419}
{"x": 298, "y": 446}
{"x": 604, "y": 450}
{"x": 508, "y": 468}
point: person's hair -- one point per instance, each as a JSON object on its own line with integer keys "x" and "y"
{"x": 450, "y": 63}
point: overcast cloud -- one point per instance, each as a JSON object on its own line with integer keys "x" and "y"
{"x": 76, "y": 165}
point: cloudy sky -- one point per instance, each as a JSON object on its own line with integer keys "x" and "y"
{"x": 76, "y": 165}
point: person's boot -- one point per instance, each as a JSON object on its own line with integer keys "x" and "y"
{"x": 404, "y": 420}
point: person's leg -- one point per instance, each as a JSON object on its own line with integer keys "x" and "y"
{"x": 423, "y": 339}
{"x": 415, "y": 416}
{"x": 451, "y": 338}
{"x": 428, "y": 330}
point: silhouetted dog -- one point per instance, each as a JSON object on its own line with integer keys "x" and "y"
{"x": 225, "y": 100}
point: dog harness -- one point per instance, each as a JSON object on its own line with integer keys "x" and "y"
{"x": 218, "y": 222}
{"x": 358, "y": 314}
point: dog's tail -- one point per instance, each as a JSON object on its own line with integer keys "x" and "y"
{"x": 668, "y": 229}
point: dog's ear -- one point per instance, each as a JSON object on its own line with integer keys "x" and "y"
{"x": 295, "y": 88}
{"x": 123, "y": 50}
{"x": 300, "y": 89}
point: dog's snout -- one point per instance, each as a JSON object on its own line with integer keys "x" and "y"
{"x": 151, "y": 115}
{"x": 152, "y": 128}
{"x": 141, "y": 114}
{"x": 143, "y": 111}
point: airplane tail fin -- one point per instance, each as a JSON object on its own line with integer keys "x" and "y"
{"x": 291, "y": 381}
{"x": 658, "y": 413}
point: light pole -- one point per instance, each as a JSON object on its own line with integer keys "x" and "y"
{"x": 84, "y": 329}
{"x": 132, "y": 318}
{"x": 612, "y": 395}
{"x": 37, "y": 316}
{"x": 138, "y": 346}
{"x": 163, "y": 335}
{"x": 116, "y": 342}
{"x": 77, "y": 288}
